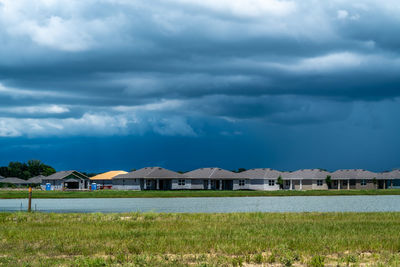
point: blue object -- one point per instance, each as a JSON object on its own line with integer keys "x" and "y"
{"x": 94, "y": 186}
{"x": 48, "y": 186}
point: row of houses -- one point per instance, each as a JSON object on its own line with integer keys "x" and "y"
{"x": 34, "y": 181}
{"x": 157, "y": 178}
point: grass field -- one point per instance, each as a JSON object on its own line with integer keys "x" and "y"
{"x": 186, "y": 193}
{"x": 236, "y": 239}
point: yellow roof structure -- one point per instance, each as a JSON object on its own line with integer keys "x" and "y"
{"x": 107, "y": 175}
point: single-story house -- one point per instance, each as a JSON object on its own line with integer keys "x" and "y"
{"x": 389, "y": 179}
{"x": 267, "y": 179}
{"x": 104, "y": 180}
{"x": 151, "y": 178}
{"x": 65, "y": 180}
{"x": 216, "y": 179}
{"x": 37, "y": 180}
{"x": 357, "y": 179}
{"x": 262, "y": 179}
{"x": 14, "y": 181}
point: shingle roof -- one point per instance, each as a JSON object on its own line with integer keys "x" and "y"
{"x": 306, "y": 174}
{"x": 261, "y": 173}
{"x": 213, "y": 173}
{"x": 62, "y": 174}
{"x": 13, "y": 180}
{"x": 107, "y": 175}
{"x": 36, "y": 179}
{"x": 151, "y": 173}
{"x": 354, "y": 174}
{"x": 395, "y": 174}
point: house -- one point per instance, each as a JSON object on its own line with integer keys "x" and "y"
{"x": 104, "y": 180}
{"x": 356, "y": 179}
{"x": 262, "y": 179}
{"x": 216, "y": 179}
{"x": 65, "y": 180}
{"x": 151, "y": 178}
{"x": 14, "y": 181}
{"x": 305, "y": 179}
{"x": 37, "y": 180}
{"x": 389, "y": 179}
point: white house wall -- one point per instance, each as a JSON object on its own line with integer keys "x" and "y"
{"x": 126, "y": 184}
{"x": 246, "y": 185}
{"x": 187, "y": 186}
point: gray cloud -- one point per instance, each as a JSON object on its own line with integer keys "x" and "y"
{"x": 281, "y": 62}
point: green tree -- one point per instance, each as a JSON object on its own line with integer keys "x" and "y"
{"x": 280, "y": 182}
{"x": 35, "y": 167}
{"x": 26, "y": 170}
{"x": 328, "y": 181}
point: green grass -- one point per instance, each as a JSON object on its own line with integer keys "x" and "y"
{"x": 187, "y": 193}
{"x": 235, "y": 239}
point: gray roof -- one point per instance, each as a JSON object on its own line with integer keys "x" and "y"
{"x": 354, "y": 174}
{"x": 306, "y": 174}
{"x": 151, "y": 173}
{"x": 62, "y": 174}
{"x": 213, "y": 173}
{"x": 14, "y": 180}
{"x": 36, "y": 179}
{"x": 261, "y": 173}
{"x": 395, "y": 174}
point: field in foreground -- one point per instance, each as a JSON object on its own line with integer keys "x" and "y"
{"x": 236, "y": 239}
{"x": 186, "y": 193}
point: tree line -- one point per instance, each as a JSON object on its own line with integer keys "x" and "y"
{"x": 26, "y": 170}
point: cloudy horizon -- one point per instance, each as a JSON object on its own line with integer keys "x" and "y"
{"x": 115, "y": 84}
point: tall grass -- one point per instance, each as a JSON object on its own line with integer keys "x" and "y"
{"x": 214, "y": 239}
{"x": 186, "y": 193}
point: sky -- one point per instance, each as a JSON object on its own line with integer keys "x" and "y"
{"x": 182, "y": 84}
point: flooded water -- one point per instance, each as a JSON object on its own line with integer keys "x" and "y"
{"x": 211, "y": 205}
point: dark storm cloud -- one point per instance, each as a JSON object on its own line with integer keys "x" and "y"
{"x": 177, "y": 61}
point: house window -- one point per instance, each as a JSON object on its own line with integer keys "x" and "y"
{"x": 287, "y": 183}
{"x": 344, "y": 182}
{"x": 242, "y": 182}
{"x": 148, "y": 183}
{"x": 320, "y": 182}
{"x": 271, "y": 182}
{"x": 181, "y": 182}
{"x": 363, "y": 182}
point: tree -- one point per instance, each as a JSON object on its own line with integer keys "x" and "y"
{"x": 35, "y": 167}
{"x": 328, "y": 181}
{"x": 280, "y": 182}
{"x": 47, "y": 170}
{"x": 26, "y": 170}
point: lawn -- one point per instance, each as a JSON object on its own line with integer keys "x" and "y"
{"x": 186, "y": 193}
{"x": 235, "y": 239}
